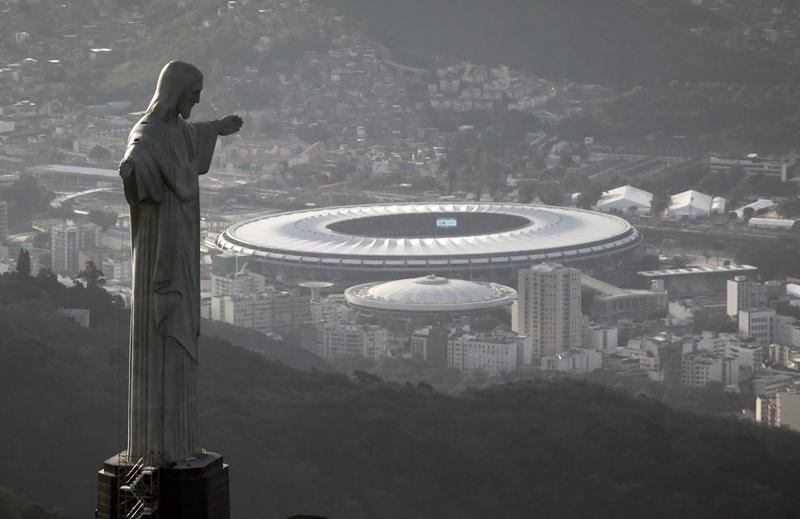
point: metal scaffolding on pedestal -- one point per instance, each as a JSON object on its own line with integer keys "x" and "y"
{"x": 138, "y": 491}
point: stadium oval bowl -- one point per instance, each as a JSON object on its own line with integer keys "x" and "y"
{"x": 483, "y": 241}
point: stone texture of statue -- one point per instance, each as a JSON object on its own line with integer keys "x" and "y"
{"x": 160, "y": 169}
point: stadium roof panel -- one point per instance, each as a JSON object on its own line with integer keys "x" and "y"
{"x": 550, "y": 231}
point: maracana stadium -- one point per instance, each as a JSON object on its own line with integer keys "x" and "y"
{"x": 479, "y": 241}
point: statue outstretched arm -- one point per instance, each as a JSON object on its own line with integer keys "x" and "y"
{"x": 204, "y": 138}
{"x": 229, "y": 125}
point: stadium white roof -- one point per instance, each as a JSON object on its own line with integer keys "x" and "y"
{"x": 429, "y": 294}
{"x": 552, "y": 233}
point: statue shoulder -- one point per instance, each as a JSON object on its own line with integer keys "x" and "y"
{"x": 147, "y": 130}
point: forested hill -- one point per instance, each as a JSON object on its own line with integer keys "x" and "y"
{"x": 13, "y": 506}
{"x": 319, "y": 443}
{"x": 606, "y": 41}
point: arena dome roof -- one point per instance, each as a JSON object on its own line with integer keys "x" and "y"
{"x": 429, "y": 294}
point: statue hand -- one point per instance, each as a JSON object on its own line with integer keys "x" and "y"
{"x": 230, "y": 124}
{"x": 126, "y": 167}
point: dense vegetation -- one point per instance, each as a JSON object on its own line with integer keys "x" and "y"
{"x": 609, "y": 41}
{"x": 13, "y": 506}
{"x": 312, "y": 442}
{"x": 678, "y": 81}
{"x": 725, "y": 115}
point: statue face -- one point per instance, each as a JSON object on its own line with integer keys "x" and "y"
{"x": 190, "y": 98}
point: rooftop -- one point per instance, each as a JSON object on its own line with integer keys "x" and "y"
{"x": 429, "y": 294}
{"x": 696, "y": 270}
{"x": 392, "y": 233}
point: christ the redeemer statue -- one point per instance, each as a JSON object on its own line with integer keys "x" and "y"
{"x": 160, "y": 169}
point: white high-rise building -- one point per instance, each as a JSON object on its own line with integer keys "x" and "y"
{"x": 66, "y": 240}
{"x": 759, "y": 324}
{"x": 64, "y": 245}
{"x": 743, "y": 294}
{"x": 548, "y": 308}
{"x": 3, "y": 220}
{"x": 781, "y": 409}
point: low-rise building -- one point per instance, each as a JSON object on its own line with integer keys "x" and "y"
{"x": 363, "y": 340}
{"x": 600, "y": 337}
{"x": 609, "y": 302}
{"x": 494, "y": 353}
{"x": 333, "y": 308}
{"x": 787, "y": 331}
{"x": 701, "y": 367}
{"x": 758, "y": 323}
{"x": 244, "y": 299}
{"x": 625, "y": 200}
{"x": 768, "y": 383}
{"x": 430, "y": 344}
{"x": 744, "y": 294}
{"x": 783, "y": 355}
{"x": 754, "y": 164}
{"x": 574, "y": 360}
{"x": 694, "y": 204}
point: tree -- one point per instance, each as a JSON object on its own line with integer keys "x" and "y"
{"x": 590, "y": 194}
{"x": 92, "y": 276}
{"x": 747, "y": 213}
{"x": 659, "y": 204}
{"x": 789, "y": 208}
{"x": 103, "y": 219}
{"x": 717, "y": 322}
{"x": 24, "y": 262}
{"x": 552, "y": 194}
{"x": 24, "y": 197}
{"x": 98, "y": 152}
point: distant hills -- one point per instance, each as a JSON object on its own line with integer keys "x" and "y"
{"x": 608, "y": 41}
{"x": 358, "y": 448}
{"x": 13, "y": 506}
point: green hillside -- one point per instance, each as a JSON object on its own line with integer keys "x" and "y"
{"x": 319, "y": 443}
{"x": 609, "y": 41}
{"x": 13, "y": 506}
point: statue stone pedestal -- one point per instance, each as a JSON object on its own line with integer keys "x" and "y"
{"x": 195, "y": 488}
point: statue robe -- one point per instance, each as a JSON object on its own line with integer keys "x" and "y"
{"x": 163, "y": 194}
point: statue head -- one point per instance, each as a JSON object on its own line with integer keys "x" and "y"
{"x": 178, "y": 89}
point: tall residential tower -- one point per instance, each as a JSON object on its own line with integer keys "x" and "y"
{"x": 548, "y": 308}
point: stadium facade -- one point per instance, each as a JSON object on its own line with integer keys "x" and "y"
{"x": 478, "y": 241}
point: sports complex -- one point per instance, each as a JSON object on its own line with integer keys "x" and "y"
{"x": 480, "y": 241}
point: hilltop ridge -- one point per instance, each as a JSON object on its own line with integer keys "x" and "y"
{"x": 358, "y": 447}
